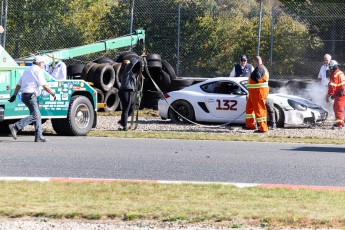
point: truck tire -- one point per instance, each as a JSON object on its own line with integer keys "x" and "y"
{"x": 126, "y": 56}
{"x": 104, "y": 77}
{"x": 111, "y": 100}
{"x": 80, "y": 118}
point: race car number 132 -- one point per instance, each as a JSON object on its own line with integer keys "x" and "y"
{"x": 226, "y": 105}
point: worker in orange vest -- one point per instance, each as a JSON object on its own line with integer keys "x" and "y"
{"x": 336, "y": 91}
{"x": 256, "y": 103}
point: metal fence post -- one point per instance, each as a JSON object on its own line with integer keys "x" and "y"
{"x": 259, "y": 29}
{"x": 131, "y": 18}
{"x": 272, "y": 39}
{"x": 178, "y": 40}
{"x": 5, "y": 23}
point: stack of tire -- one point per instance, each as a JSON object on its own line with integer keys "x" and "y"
{"x": 163, "y": 74}
{"x": 104, "y": 74}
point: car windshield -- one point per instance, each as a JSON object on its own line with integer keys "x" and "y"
{"x": 307, "y": 103}
{"x": 244, "y": 84}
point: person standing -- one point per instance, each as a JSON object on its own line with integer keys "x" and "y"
{"x": 242, "y": 69}
{"x": 29, "y": 84}
{"x": 257, "y": 94}
{"x": 336, "y": 90}
{"x": 322, "y": 77}
{"x": 128, "y": 89}
{"x": 60, "y": 71}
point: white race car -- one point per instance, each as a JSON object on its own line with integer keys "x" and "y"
{"x": 223, "y": 100}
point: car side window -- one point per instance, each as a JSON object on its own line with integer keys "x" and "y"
{"x": 222, "y": 88}
{"x": 210, "y": 87}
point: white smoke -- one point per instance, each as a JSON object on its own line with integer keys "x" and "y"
{"x": 314, "y": 92}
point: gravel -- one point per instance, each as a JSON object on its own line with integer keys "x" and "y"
{"x": 157, "y": 124}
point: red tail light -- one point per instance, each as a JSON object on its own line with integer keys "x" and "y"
{"x": 166, "y": 96}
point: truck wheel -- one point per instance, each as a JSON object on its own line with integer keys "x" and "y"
{"x": 79, "y": 119}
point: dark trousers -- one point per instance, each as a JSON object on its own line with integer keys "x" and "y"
{"x": 30, "y": 100}
{"x": 127, "y": 103}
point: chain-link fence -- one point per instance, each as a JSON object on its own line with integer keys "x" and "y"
{"x": 198, "y": 38}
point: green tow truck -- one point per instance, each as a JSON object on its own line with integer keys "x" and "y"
{"x": 74, "y": 113}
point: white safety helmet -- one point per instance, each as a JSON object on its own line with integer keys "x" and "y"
{"x": 333, "y": 65}
{"x": 39, "y": 59}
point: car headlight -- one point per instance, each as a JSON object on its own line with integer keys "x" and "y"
{"x": 297, "y": 105}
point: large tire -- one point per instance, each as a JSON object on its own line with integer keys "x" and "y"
{"x": 80, "y": 118}
{"x": 75, "y": 70}
{"x": 104, "y": 60}
{"x": 151, "y": 98}
{"x": 92, "y": 72}
{"x": 154, "y": 61}
{"x": 117, "y": 68}
{"x": 100, "y": 95}
{"x": 185, "y": 110}
{"x": 86, "y": 69}
{"x": 104, "y": 77}
{"x": 166, "y": 67}
{"x": 111, "y": 100}
{"x": 180, "y": 83}
{"x": 126, "y": 56}
{"x": 165, "y": 82}
{"x": 280, "y": 118}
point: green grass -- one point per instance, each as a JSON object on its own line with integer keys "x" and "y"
{"x": 219, "y": 204}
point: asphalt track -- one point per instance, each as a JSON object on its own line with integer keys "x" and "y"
{"x": 174, "y": 161}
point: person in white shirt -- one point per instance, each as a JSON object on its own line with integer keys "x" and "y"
{"x": 323, "y": 70}
{"x": 60, "y": 71}
{"x": 29, "y": 84}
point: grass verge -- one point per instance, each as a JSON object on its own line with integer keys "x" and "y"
{"x": 218, "y": 204}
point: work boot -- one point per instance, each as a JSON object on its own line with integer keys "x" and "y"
{"x": 13, "y": 130}
{"x": 336, "y": 127}
{"x": 40, "y": 139}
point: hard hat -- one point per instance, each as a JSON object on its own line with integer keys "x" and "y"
{"x": 333, "y": 65}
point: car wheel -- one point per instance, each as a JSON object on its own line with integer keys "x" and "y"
{"x": 280, "y": 118}
{"x": 184, "y": 110}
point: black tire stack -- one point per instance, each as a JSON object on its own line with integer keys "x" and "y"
{"x": 105, "y": 73}
{"x": 163, "y": 74}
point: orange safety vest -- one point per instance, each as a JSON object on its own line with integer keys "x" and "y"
{"x": 336, "y": 83}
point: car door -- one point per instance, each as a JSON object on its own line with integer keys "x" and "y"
{"x": 226, "y": 101}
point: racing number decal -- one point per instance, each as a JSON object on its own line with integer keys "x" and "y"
{"x": 226, "y": 104}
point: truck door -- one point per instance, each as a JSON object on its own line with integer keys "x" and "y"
{"x": 5, "y": 82}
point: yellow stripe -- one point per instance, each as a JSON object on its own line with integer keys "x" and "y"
{"x": 338, "y": 121}
{"x": 261, "y": 119}
{"x": 256, "y": 86}
{"x": 249, "y": 116}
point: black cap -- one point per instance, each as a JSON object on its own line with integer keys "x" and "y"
{"x": 243, "y": 57}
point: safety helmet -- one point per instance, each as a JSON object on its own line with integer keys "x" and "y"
{"x": 333, "y": 65}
